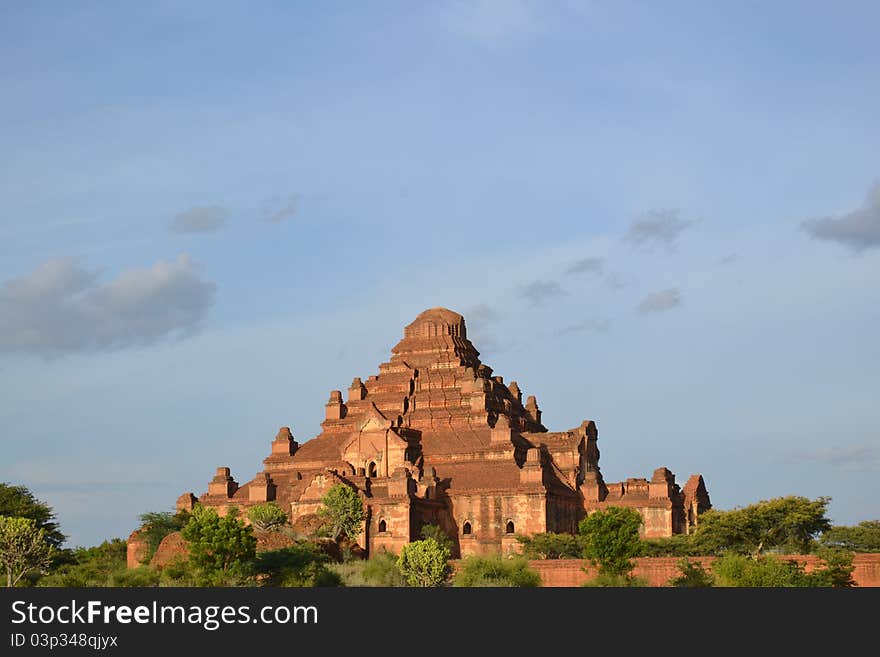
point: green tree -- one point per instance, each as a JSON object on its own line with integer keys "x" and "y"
{"x": 19, "y": 502}
{"x": 692, "y": 575}
{"x": 611, "y": 538}
{"x": 156, "y": 525}
{"x": 677, "y": 545}
{"x": 551, "y": 546}
{"x": 341, "y": 506}
{"x": 219, "y": 548}
{"x": 424, "y": 563}
{"x": 787, "y": 524}
{"x": 23, "y": 548}
{"x": 864, "y": 537}
{"x": 495, "y": 570}
{"x": 267, "y": 517}
{"x": 94, "y": 566}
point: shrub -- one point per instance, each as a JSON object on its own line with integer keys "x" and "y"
{"x": 424, "y": 563}
{"x": 301, "y": 565}
{"x": 142, "y": 576}
{"x": 156, "y": 525}
{"x": 611, "y": 580}
{"x": 438, "y": 534}
{"x": 494, "y": 570}
{"x": 379, "y": 570}
{"x": 551, "y": 546}
{"x": 92, "y": 566}
{"x": 220, "y": 549}
{"x": 693, "y": 575}
{"x": 267, "y": 517}
{"x": 736, "y": 570}
{"x": 341, "y": 506}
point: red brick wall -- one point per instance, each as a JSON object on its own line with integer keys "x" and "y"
{"x": 659, "y": 570}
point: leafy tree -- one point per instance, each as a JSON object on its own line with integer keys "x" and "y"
{"x": 156, "y": 525}
{"x": 424, "y": 563}
{"x": 494, "y": 570}
{"x": 864, "y": 537}
{"x": 23, "y": 548}
{"x": 787, "y": 524}
{"x": 219, "y": 548}
{"x": 19, "y": 502}
{"x": 300, "y": 565}
{"x": 611, "y": 538}
{"x": 267, "y": 517}
{"x": 693, "y": 575}
{"x": 94, "y": 566}
{"x": 342, "y": 507}
{"x": 551, "y": 546}
{"x": 438, "y": 534}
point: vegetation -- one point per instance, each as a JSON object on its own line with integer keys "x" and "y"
{"x": 438, "y": 534}
{"x": 301, "y": 565}
{"x": 341, "y": 506}
{"x": 495, "y": 570}
{"x": 864, "y": 537}
{"x": 23, "y": 548}
{"x": 19, "y": 502}
{"x": 267, "y": 517}
{"x": 611, "y": 539}
{"x": 95, "y": 566}
{"x": 785, "y": 525}
{"x": 693, "y": 575}
{"x": 424, "y": 563}
{"x": 551, "y": 546}
{"x": 379, "y": 570}
{"x": 156, "y": 525}
{"x": 610, "y": 580}
{"x": 220, "y": 549}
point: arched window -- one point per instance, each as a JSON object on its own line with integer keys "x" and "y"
{"x": 383, "y": 526}
{"x": 510, "y": 528}
{"x": 371, "y": 471}
{"x": 466, "y": 528}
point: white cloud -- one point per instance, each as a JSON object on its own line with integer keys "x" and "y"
{"x": 62, "y": 308}
{"x": 657, "y": 228}
{"x": 202, "y": 219}
{"x": 660, "y": 301}
{"x": 276, "y": 212}
{"x": 849, "y": 457}
{"x": 859, "y": 229}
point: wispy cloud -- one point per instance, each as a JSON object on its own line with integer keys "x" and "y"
{"x": 851, "y": 457}
{"x": 277, "y": 211}
{"x": 201, "y": 219}
{"x": 660, "y": 301}
{"x": 859, "y": 230}
{"x": 539, "y": 292}
{"x": 587, "y": 266}
{"x": 587, "y": 326}
{"x": 657, "y": 229}
{"x": 62, "y": 308}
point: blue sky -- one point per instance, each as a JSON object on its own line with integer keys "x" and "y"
{"x": 661, "y": 216}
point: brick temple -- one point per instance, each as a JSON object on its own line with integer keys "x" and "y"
{"x": 436, "y": 437}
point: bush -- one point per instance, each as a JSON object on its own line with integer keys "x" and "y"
{"x": 677, "y": 545}
{"x": 379, "y": 570}
{"x": 142, "y": 576}
{"x": 610, "y": 580}
{"x": 836, "y": 570}
{"x": 341, "y": 506}
{"x": 424, "y": 563}
{"x": 693, "y": 575}
{"x": 267, "y": 517}
{"x": 438, "y": 534}
{"x": 220, "y": 549}
{"x": 551, "y": 546}
{"x": 482, "y": 571}
{"x": 92, "y": 566}
{"x": 301, "y": 565}
{"x": 736, "y": 570}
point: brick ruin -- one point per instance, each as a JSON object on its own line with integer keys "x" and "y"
{"x": 436, "y": 438}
